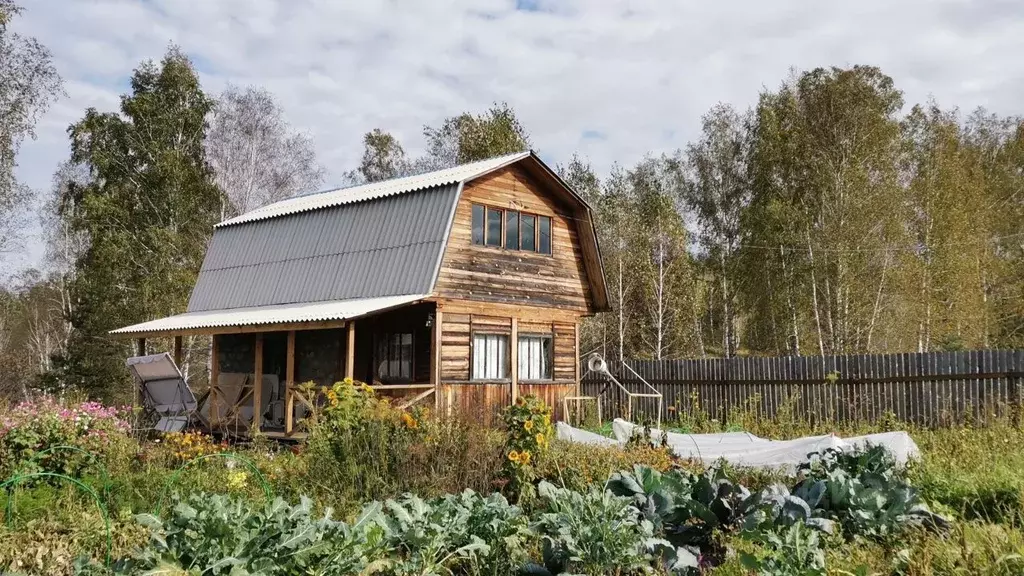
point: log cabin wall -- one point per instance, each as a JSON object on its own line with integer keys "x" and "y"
{"x": 492, "y": 274}
{"x": 460, "y": 319}
{"x": 483, "y": 288}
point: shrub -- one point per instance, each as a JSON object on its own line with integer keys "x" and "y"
{"x": 363, "y": 448}
{"x": 30, "y": 428}
{"x": 578, "y": 466}
{"x": 360, "y": 445}
{"x": 184, "y": 446}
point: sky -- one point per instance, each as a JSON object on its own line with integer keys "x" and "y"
{"x": 611, "y": 80}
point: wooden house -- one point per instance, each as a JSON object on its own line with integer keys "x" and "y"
{"x": 462, "y": 287}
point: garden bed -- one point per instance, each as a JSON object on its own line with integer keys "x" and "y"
{"x": 394, "y": 492}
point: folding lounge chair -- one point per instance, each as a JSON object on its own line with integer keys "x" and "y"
{"x": 163, "y": 391}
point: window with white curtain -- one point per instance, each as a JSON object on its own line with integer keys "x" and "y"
{"x": 535, "y": 352}
{"x": 490, "y": 356}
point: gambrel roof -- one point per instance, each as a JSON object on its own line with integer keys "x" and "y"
{"x": 381, "y": 241}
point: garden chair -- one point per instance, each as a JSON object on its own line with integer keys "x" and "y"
{"x": 162, "y": 391}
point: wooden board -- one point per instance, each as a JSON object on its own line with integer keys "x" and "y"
{"x": 490, "y": 274}
{"x": 479, "y": 401}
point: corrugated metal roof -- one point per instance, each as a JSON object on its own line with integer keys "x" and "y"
{"x": 264, "y": 315}
{"x": 382, "y": 247}
{"x": 366, "y": 243}
{"x": 377, "y": 189}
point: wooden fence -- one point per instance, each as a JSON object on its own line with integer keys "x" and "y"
{"x": 930, "y": 389}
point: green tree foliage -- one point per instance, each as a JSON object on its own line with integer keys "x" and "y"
{"x": 824, "y": 221}
{"x": 468, "y": 138}
{"x": 147, "y": 211}
{"x": 458, "y": 140}
{"x": 716, "y": 193}
{"x": 383, "y": 157}
{"x": 826, "y": 191}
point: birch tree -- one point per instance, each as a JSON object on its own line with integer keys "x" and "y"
{"x": 663, "y": 264}
{"x": 829, "y": 145}
{"x": 29, "y": 83}
{"x": 383, "y": 157}
{"x": 256, "y": 156}
{"x": 471, "y": 137}
{"x": 716, "y": 192}
{"x": 147, "y": 212}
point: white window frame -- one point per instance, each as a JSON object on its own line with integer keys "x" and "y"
{"x": 490, "y": 359}
{"x": 531, "y": 351}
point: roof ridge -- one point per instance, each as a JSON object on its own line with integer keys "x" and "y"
{"x": 374, "y": 190}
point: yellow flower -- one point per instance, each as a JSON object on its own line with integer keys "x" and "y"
{"x": 528, "y": 425}
{"x": 547, "y": 420}
{"x": 514, "y": 456}
{"x": 410, "y": 422}
{"x": 540, "y": 438}
{"x": 524, "y": 458}
{"x": 236, "y": 480}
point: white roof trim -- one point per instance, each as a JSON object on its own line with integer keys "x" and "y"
{"x": 375, "y": 190}
{"x": 278, "y": 314}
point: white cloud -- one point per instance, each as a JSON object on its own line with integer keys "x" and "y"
{"x": 612, "y": 80}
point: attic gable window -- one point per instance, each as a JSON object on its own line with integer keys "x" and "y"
{"x": 511, "y": 229}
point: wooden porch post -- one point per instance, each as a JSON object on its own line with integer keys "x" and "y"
{"x": 350, "y": 352}
{"x": 289, "y": 385}
{"x": 435, "y": 358}
{"x": 576, "y": 367}
{"x": 214, "y": 381}
{"x": 140, "y": 350}
{"x": 514, "y": 358}
{"x": 177, "y": 351}
{"x": 257, "y": 390}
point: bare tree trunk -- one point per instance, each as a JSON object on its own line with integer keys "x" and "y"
{"x": 659, "y": 292}
{"x": 622, "y": 307}
{"x": 814, "y": 296}
{"x": 728, "y": 333}
{"x": 794, "y": 346}
{"x": 878, "y": 301}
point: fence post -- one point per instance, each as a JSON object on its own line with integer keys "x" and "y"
{"x": 1014, "y": 379}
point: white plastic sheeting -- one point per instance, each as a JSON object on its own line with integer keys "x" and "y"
{"x": 565, "y": 432}
{"x": 746, "y": 450}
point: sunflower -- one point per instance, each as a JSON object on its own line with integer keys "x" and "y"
{"x": 513, "y": 456}
{"x": 410, "y": 422}
{"x": 524, "y": 458}
{"x": 528, "y": 425}
{"x": 540, "y": 438}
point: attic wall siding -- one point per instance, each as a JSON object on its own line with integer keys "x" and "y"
{"x": 383, "y": 247}
{"x": 484, "y": 274}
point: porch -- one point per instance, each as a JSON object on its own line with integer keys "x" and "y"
{"x": 455, "y": 356}
{"x": 393, "y": 351}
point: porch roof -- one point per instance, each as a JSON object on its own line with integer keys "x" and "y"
{"x": 272, "y": 317}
